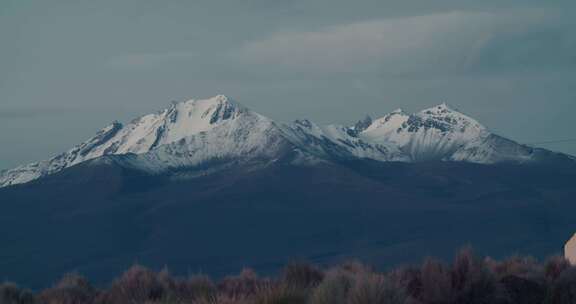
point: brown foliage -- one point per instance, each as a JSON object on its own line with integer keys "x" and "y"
{"x": 469, "y": 279}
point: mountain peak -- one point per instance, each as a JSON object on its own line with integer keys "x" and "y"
{"x": 218, "y": 99}
{"x": 221, "y": 98}
{"x": 445, "y": 117}
{"x": 214, "y": 100}
{"x": 440, "y": 109}
{"x": 211, "y": 110}
{"x": 443, "y": 105}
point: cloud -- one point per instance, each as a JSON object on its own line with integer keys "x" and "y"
{"x": 150, "y": 59}
{"x": 452, "y": 42}
{"x": 455, "y": 41}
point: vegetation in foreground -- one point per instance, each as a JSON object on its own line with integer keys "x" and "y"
{"x": 469, "y": 279}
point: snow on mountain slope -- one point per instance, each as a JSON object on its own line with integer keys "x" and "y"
{"x": 338, "y": 142}
{"x": 197, "y": 132}
{"x": 174, "y": 123}
{"x": 432, "y": 134}
{"x": 496, "y": 149}
{"x": 146, "y": 133}
{"x": 253, "y": 137}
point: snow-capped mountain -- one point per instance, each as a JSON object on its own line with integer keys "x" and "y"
{"x": 338, "y": 142}
{"x": 194, "y": 132}
{"x": 442, "y": 133}
{"x": 184, "y": 134}
{"x": 431, "y": 134}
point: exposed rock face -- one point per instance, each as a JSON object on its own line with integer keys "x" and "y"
{"x": 570, "y": 250}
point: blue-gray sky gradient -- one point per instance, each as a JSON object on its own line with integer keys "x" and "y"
{"x": 68, "y": 68}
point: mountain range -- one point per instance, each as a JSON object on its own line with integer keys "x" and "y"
{"x": 210, "y": 186}
{"x": 195, "y": 132}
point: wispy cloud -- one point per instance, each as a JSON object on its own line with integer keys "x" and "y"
{"x": 448, "y": 42}
{"x": 442, "y": 42}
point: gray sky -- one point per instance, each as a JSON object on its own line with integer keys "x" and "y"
{"x": 68, "y": 68}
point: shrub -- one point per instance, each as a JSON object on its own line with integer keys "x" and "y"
{"x": 563, "y": 291}
{"x": 72, "y": 289}
{"x": 141, "y": 285}
{"x": 222, "y": 299}
{"x": 375, "y": 289}
{"x": 137, "y": 285}
{"x": 465, "y": 266}
{"x": 333, "y": 289}
{"x": 197, "y": 287}
{"x": 525, "y": 267}
{"x": 473, "y": 281}
{"x": 480, "y": 289}
{"x": 280, "y": 293}
{"x": 244, "y": 284}
{"x": 12, "y": 294}
{"x": 435, "y": 282}
{"x": 554, "y": 266}
{"x": 301, "y": 275}
{"x": 355, "y": 267}
{"x": 467, "y": 280}
{"x": 523, "y": 291}
{"x": 410, "y": 278}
